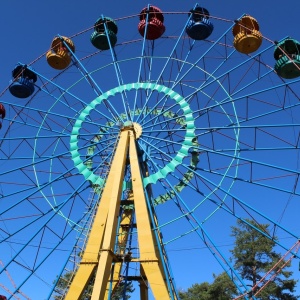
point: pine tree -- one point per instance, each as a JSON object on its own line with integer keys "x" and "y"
{"x": 254, "y": 255}
{"x": 222, "y": 288}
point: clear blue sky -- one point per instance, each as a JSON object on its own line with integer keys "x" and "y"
{"x": 27, "y": 29}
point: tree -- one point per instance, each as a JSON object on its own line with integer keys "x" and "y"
{"x": 254, "y": 255}
{"x": 121, "y": 289}
{"x": 196, "y": 291}
{"x": 222, "y": 288}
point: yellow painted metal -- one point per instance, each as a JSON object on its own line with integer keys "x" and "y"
{"x": 150, "y": 260}
{"x": 95, "y": 244}
{"x": 99, "y": 258}
{"x": 115, "y": 180}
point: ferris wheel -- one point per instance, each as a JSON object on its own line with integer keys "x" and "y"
{"x": 133, "y": 161}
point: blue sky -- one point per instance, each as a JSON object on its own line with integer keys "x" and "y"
{"x": 27, "y": 29}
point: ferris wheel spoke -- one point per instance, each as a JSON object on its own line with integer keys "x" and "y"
{"x": 164, "y": 67}
{"x": 83, "y": 70}
{"x": 167, "y": 131}
{"x": 113, "y": 114}
{"x": 258, "y": 182}
{"x": 172, "y": 126}
{"x": 161, "y": 151}
{"x": 184, "y": 181}
{"x": 176, "y": 118}
{"x": 36, "y": 122}
{"x": 36, "y": 155}
{"x": 41, "y": 187}
{"x": 159, "y": 141}
{"x": 28, "y": 225}
{"x": 198, "y": 228}
{"x": 211, "y": 118}
{"x": 120, "y": 81}
{"x": 163, "y": 101}
{"x": 246, "y": 118}
{"x": 163, "y": 130}
{"x": 247, "y": 62}
{"x": 31, "y": 196}
{"x": 176, "y": 40}
{"x": 169, "y": 59}
{"x": 174, "y": 139}
{"x": 249, "y": 160}
{"x": 105, "y": 159}
{"x": 166, "y": 112}
{"x": 241, "y": 202}
{"x": 221, "y": 202}
{"x": 257, "y": 126}
{"x": 230, "y": 97}
{"x": 152, "y": 164}
{"x": 182, "y": 77}
{"x": 222, "y": 205}
{"x": 70, "y": 263}
{"x": 252, "y": 93}
{"x": 38, "y": 264}
{"x": 33, "y": 236}
{"x": 141, "y": 60}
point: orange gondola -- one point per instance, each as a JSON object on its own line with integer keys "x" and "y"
{"x": 59, "y": 55}
{"x": 247, "y": 37}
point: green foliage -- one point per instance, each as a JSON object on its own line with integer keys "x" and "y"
{"x": 221, "y": 289}
{"x": 253, "y": 256}
{"x": 119, "y": 291}
{"x": 196, "y": 291}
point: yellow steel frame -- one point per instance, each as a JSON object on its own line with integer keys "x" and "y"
{"x": 99, "y": 258}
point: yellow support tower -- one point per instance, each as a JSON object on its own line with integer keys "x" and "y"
{"x": 99, "y": 259}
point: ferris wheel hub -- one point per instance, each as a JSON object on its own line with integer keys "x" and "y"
{"x": 137, "y": 128}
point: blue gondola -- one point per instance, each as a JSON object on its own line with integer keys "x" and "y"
{"x": 22, "y": 83}
{"x": 199, "y": 27}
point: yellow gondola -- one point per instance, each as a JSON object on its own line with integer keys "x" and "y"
{"x": 247, "y": 37}
{"x": 59, "y": 57}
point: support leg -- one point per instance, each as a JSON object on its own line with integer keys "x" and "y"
{"x": 151, "y": 262}
{"x": 103, "y": 222}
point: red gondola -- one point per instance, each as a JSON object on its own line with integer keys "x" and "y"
{"x": 2, "y": 116}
